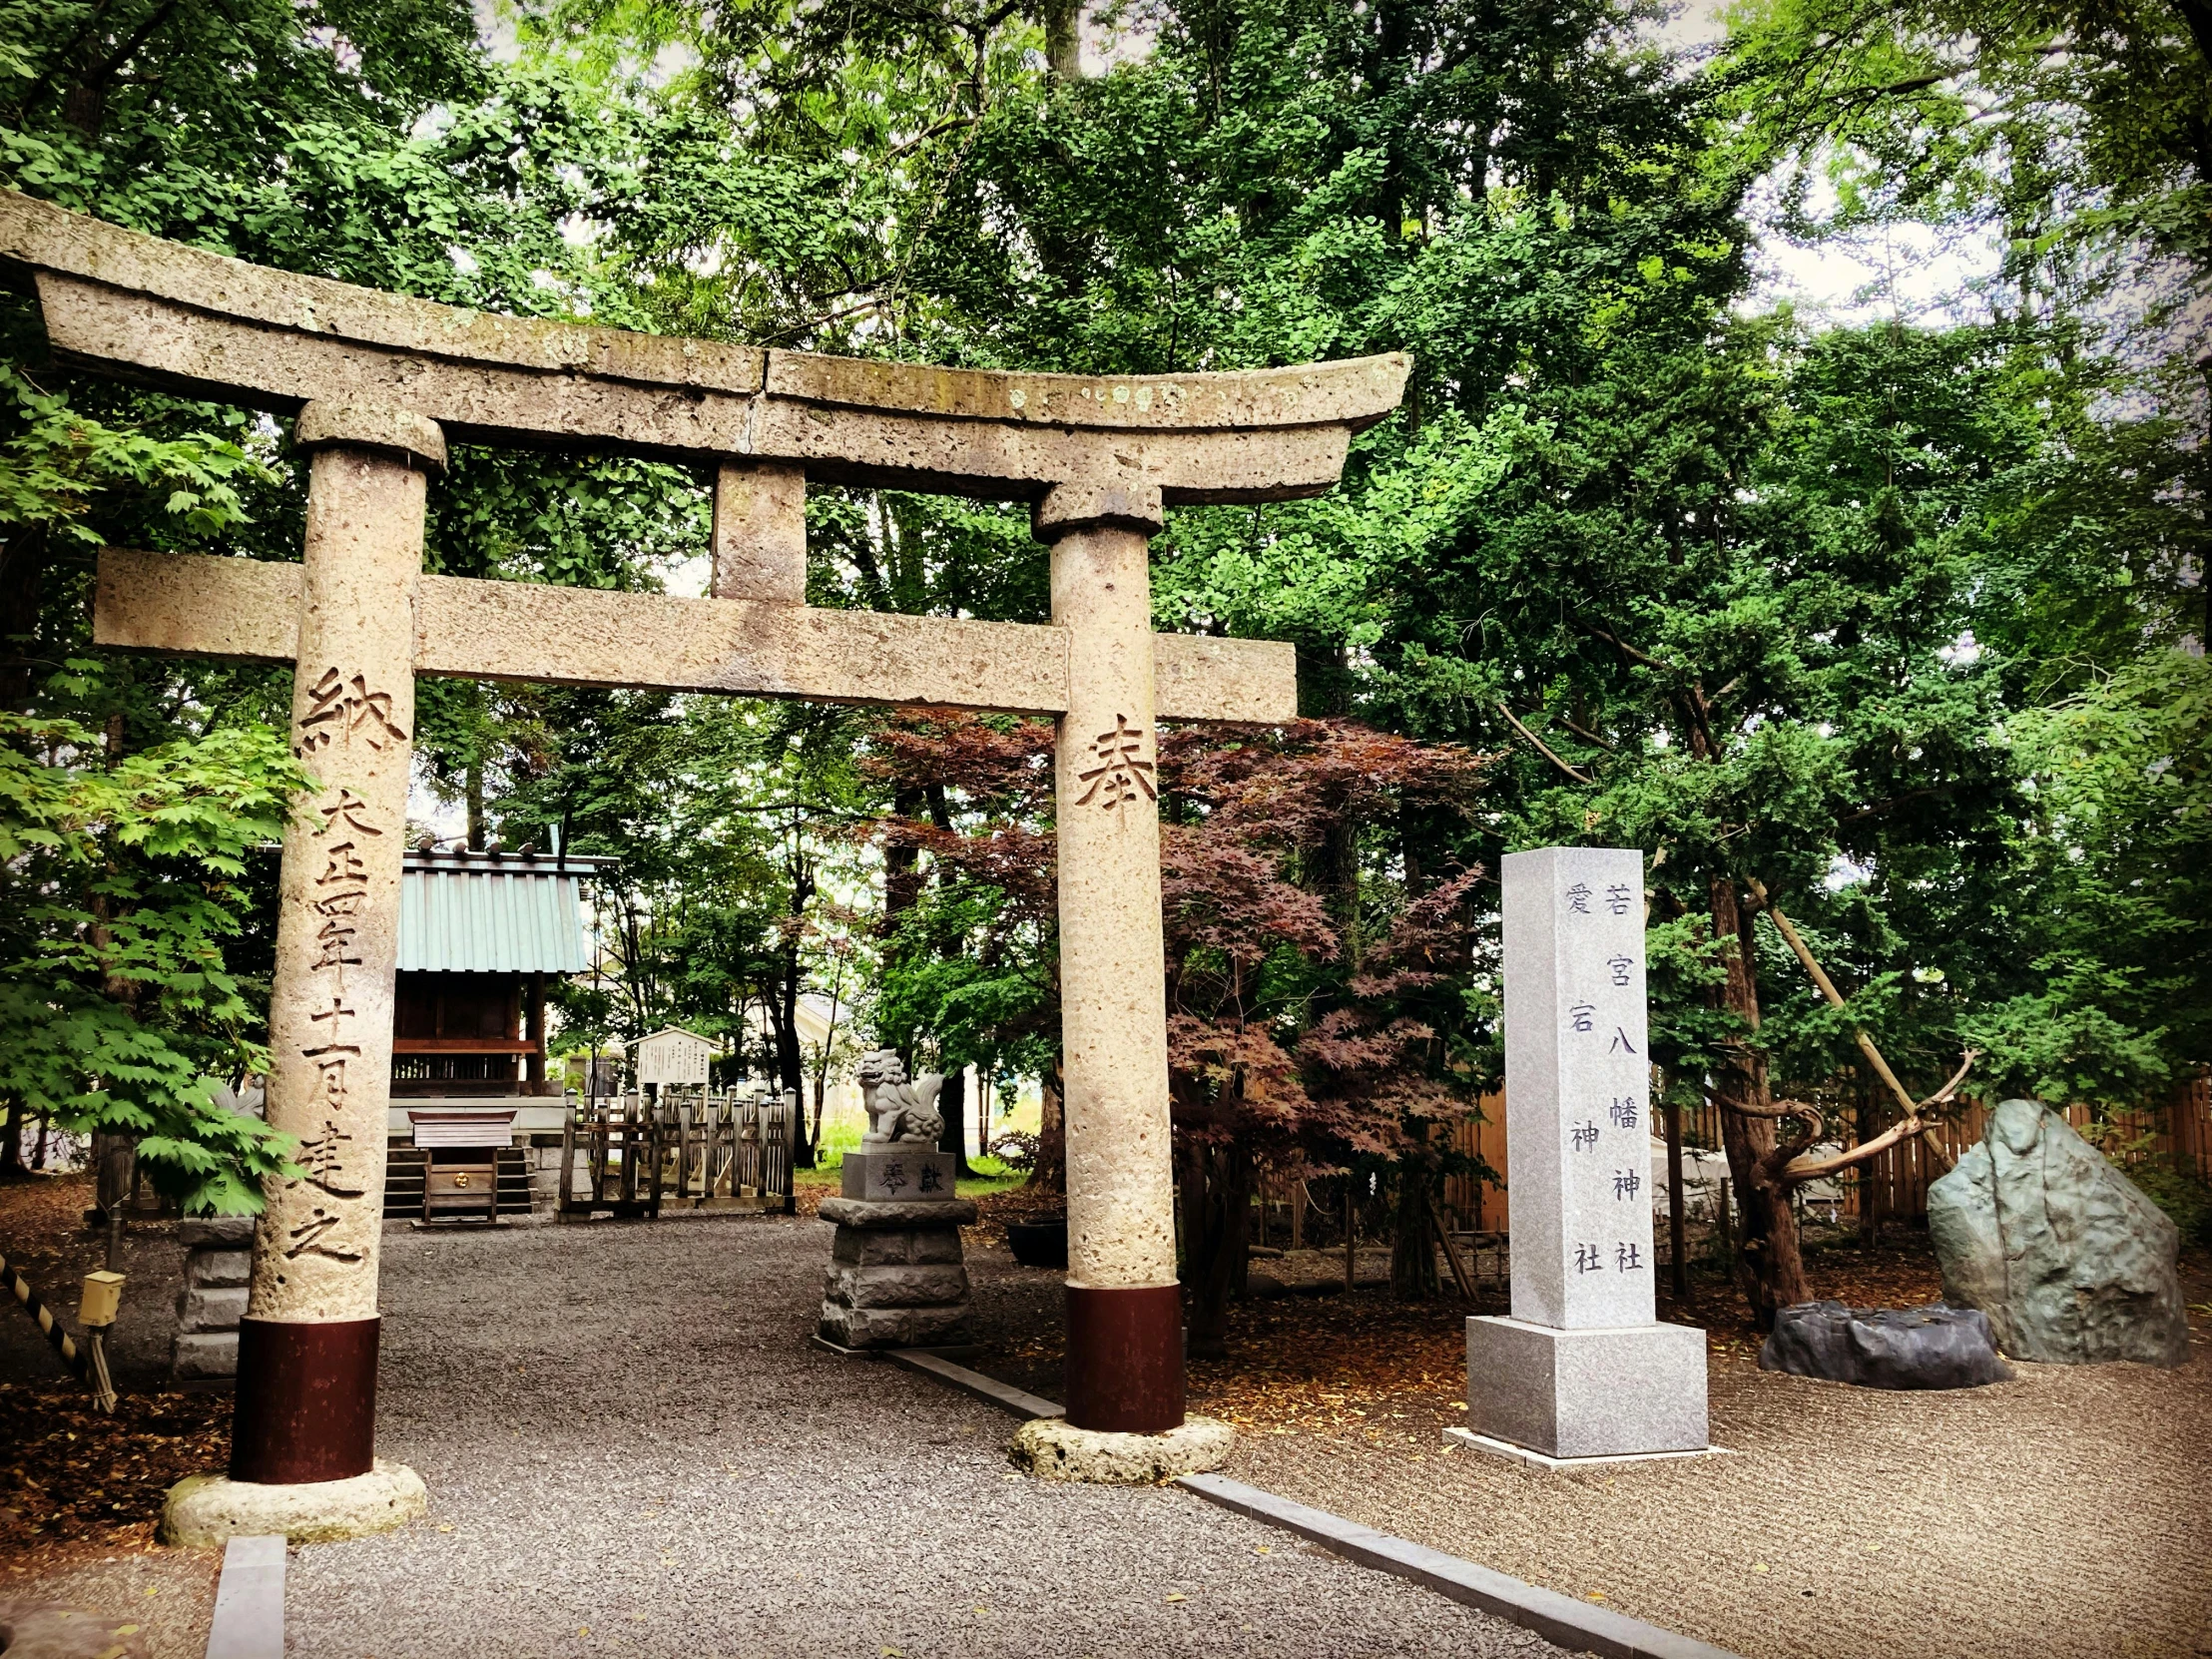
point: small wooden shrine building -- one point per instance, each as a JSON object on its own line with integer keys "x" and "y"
{"x": 480, "y": 937}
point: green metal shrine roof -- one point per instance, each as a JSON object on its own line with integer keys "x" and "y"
{"x": 492, "y": 912}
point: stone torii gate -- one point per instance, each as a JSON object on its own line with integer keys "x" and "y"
{"x": 378, "y": 383}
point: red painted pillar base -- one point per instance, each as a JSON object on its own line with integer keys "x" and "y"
{"x": 1125, "y": 1359}
{"x": 307, "y": 1401}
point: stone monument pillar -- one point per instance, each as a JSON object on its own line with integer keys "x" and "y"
{"x": 1125, "y": 1308}
{"x": 1581, "y": 1369}
{"x": 897, "y": 1276}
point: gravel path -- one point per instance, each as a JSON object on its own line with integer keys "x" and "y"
{"x": 2063, "y": 1515}
{"x": 630, "y": 1451}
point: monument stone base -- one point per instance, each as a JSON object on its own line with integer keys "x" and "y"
{"x": 1613, "y": 1391}
{"x": 897, "y": 1276}
{"x": 203, "y": 1510}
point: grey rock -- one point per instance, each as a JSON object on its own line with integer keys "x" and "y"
{"x": 1885, "y": 1347}
{"x": 857, "y": 1211}
{"x": 896, "y": 1278}
{"x": 230, "y": 1232}
{"x": 2072, "y": 1261}
{"x": 899, "y": 1174}
{"x": 1577, "y": 1079}
{"x": 1587, "y": 1393}
{"x": 217, "y": 1308}
{"x": 934, "y": 1244}
{"x": 218, "y": 1267}
{"x": 204, "y": 1354}
{"x": 1052, "y": 1448}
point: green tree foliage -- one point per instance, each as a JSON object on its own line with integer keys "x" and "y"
{"x": 121, "y": 879}
{"x": 1887, "y": 621}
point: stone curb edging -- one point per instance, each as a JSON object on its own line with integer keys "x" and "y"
{"x": 1577, "y": 1625}
{"x": 989, "y": 1389}
{"x": 248, "y": 1619}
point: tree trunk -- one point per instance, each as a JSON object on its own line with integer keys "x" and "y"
{"x": 1049, "y": 1174}
{"x": 1217, "y": 1207}
{"x": 1870, "y": 1184}
{"x": 1769, "y": 1268}
{"x": 791, "y": 1061}
{"x": 11, "y": 1148}
{"x": 1678, "y": 1264}
{"x": 1063, "y": 39}
{"x": 1414, "y": 1246}
{"x": 952, "y": 1108}
{"x": 22, "y": 572}
{"x": 473, "y": 786}
{"x": 902, "y": 865}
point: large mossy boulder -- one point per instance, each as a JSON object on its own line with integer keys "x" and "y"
{"x": 2073, "y": 1264}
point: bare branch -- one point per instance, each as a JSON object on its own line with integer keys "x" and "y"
{"x": 1801, "y": 1171}
{"x": 1627, "y": 650}
{"x": 1541, "y": 749}
{"x": 945, "y": 126}
{"x": 1835, "y": 997}
{"x": 1588, "y": 736}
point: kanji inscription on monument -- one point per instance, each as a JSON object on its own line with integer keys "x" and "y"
{"x": 1577, "y": 1074}
{"x": 1581, "y": 1370}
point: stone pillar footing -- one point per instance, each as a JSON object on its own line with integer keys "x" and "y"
{"x": 1608, "y": 1391}
{"x": 1052, "y": 1448}
{"x": 1125, "y": 1359}
{"x": 202, "y": 1510}
{"x": 897, "y": 1277}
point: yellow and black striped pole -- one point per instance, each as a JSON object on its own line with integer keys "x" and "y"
{"x": 72, "y": 1355}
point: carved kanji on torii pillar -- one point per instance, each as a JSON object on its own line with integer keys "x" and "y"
{"x": 378, "y": 384}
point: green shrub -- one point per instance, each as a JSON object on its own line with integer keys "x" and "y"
{"x": 2181, "y": 1193}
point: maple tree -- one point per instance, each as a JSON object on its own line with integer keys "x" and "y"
{"x": 1317, "y": 988}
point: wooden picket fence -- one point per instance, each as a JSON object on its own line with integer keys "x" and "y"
{"x": 695, "y": 1148}
{"x": 1895, "y": 1181}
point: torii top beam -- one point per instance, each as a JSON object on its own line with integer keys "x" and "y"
{"x": 121, "y": 302}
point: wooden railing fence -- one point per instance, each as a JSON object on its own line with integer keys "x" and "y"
{"x": 699, "y": 1148}
{"x": 1896, "y": 1181}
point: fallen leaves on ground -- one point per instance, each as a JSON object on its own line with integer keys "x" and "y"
{"x": 72, "y": 1473}
{"x": 1393, "y": 1374}
{"x": 69, "y": 1475}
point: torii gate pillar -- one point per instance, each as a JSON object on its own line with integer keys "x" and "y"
{"x": 307, "y": 1381}
{"x": 1124, "y": 1369}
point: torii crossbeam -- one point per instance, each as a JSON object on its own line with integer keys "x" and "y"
{"x": 377, "y": 383}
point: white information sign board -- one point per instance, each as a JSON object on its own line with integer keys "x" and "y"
{"x": 673, "y": 1056}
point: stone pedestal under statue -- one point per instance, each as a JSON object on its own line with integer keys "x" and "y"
{"x": 896, "y": 1276}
